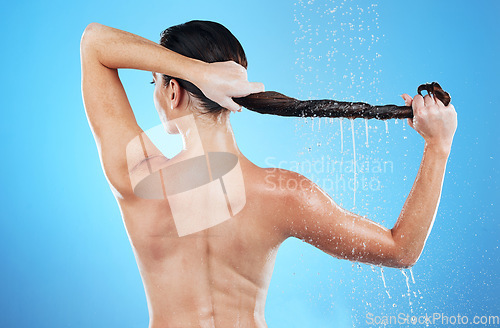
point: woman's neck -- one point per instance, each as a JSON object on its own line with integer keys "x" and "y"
{"x": 207, "y": 135}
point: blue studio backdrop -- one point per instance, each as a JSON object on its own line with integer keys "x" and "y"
{"x": 66, "y": 258}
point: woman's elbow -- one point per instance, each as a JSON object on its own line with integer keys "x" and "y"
{"x": 406, "y": 260}
{"x": 88, "y": 34}
{"x": 406, "y": 263}
{"x": 400, "y": 258}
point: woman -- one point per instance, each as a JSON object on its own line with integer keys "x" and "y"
{"x": 216, "y": 273}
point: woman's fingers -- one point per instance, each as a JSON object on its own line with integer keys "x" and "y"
{"x": 408, "y": 101}
{"x": 256, "y": 87}
{"x": 439, "y": 102}
{"x": 226, "y": 80}
{"x": 253, "y": 87}
{"x": 418, "y": 103}
{"x": 428, "y": 100}
{"x": 231, "y": 105}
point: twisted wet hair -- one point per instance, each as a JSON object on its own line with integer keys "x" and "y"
{"x": 212, "y": 42}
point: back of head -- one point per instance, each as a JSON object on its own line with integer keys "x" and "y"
{"x": 206, "y": 41}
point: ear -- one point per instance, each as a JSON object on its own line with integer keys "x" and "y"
{"x": 176, "y": 94}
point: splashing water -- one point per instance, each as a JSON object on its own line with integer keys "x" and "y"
{"x": 366, "y": 132}
{"x": 353, "y": 162}
{"x": 341, "y": 137}
{"x": 408, "y": 287}
{"x": 342, "y": 41}
{"x": 383, "y": 280}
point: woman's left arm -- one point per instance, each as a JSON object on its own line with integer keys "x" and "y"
{"x": 318, "y": 220}
{"x": 103, "y": 51}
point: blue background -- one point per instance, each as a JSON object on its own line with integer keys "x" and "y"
{"x": 66, "y": 258}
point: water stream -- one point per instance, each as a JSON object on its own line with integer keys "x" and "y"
{"x": 353, "y": 163}
{"x": 341, "y": 137}
{"x": 341, "y": 38}
{"x": 408, "y": 288}
{"x": 366, "y": 132}
{"x": 383, "y": 280}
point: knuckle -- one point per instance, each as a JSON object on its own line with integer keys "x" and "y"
{"x": 240, "y": 68}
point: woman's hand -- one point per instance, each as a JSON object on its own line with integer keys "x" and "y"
{"x": 432, "y": 120}
{"x": 221, "y": 81}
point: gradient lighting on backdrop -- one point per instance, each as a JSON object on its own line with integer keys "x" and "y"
{"x": 66, "y": 258}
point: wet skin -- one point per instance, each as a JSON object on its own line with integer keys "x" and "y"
{"x": 219, "y": 277}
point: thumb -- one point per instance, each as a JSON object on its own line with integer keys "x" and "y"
{"x": 256, "y": 87}
{"x": 231, "y": 105}
{"x": 408, "y": 100}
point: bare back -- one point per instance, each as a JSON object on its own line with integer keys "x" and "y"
{"x": 218, "y": 276}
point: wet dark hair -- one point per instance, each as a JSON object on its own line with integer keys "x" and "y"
{"x": 207, "y": 41}
{"x": 212, "y": 42}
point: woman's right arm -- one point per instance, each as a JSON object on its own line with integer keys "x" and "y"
{"x": 103, "y": 51}
{"x": 219, "y": 81}
{"x": 319, "y": 221}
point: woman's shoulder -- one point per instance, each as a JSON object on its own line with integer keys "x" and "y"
{"x": 280, "y": 184}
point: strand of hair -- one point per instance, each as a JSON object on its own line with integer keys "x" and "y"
{"x": 275, "y": 103}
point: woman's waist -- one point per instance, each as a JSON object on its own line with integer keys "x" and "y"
{"x": 193, "y": 319}
{"x": 189, "y": 307}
